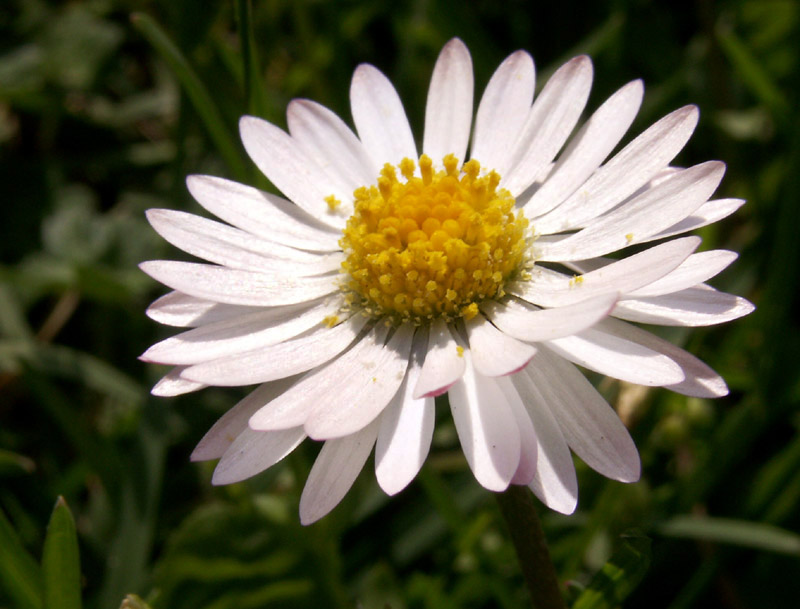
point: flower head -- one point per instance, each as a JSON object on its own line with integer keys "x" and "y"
{"x": 386, "y": 278}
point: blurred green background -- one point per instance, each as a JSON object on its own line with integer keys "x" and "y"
{"x": 101, "y": 118}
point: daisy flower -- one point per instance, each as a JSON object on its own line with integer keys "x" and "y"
{"x": 384, "y": 278}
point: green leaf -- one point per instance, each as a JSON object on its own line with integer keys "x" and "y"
{"x": 20, "y": 576}
{"x": 198, "y": 94}
{"x": 61, "y": 561}
{"x": 84, "y": 368}
{"x": 752, "y": 73}
{"x": 619, "y": 576}
{"x": 755, "y": 535}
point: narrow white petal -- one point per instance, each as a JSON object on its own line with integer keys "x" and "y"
{"x": 487, "y": 428}
{"x": 529, "y": 444}
{"x": 708, "y": 213}
{"x": 234, "y": 286}
{"x": 654, "y": 210}
{"x": 228, "y": 246}
{"x": 294, "y": 173}
{"x": 223, "y": 433}
{"x": 619, "y": 358}
{"x": 551, "y": 289}
{"x": 276, "y": 361}
{"x": 696, "y": 306}
{"x": 379, "y": 117}
{"x": 263, "y": 214}
{"x": 555, "y": 482}
{"x": 254, "y": 451}
{"x": 378, "y": 378}
{"x": 701, "y": 381}
{"x": 593, "y": 143}
{"x": 329, "y": 141}
{"x": 590, "y": 426}
{"x": 346, "y": 373}
{"x": 552, "y": 118}
{"x": 406, "y": 429}
{"x": 504, "y": 106}
{"x": 629, "y": 169}
{"x": 697, "y": 268}
{"x": 336, "y": 468}
{"x": 493, "y": 352}
{"x": 239, "y": 334}
{"x": 444, "y": 362}
{"x": 172, "y": 384}
{"x": 184, "y": 311}
{"x": 448, "y": 113}
{"x": 525, "y": 322}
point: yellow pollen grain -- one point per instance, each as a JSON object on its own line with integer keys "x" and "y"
{"x": 333, "y": 203}
{"x": 629, "y": 237}
{"x": 331, "y": 320}
{"x": 427, "y": 242}
{"x": 460, "y": 351}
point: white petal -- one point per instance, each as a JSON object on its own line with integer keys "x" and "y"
{"x": 547, "y": 288}
{"x": 529, "y": 445}
{"x": 486, "y": 427}
{"x": 619, "y": 358}
{"x": 524, "y": 322}
{"x": 654, "y": 210}
{"x": 444, "y": 362}
{"x": 276, "y": 361}
{"x": 493, "y": 352}
{"x": 701, "y": 381}
{"x": 406, "y": 429}
{"x": 555, "y": 482}
{"x": 708, "y": 213}
{"x": 378, "y": 377}
{"x": 263, "y": 214}
{"x": 254, "y": 451}
{"x": 294, "y": 173}
{"x": 590, "y": 426}
{"x": 182, "y": 310}
{"x": 593, "y": 143}
{"x": 379, "y": 117}
{"x": 172, "y": 384}
{"x": 234, "y": 286}
{"x": 503, "y": 110}
{"x": 552, "y": 118}
{"x": 330, "y": 142}
{"x": 336, "y": 468}
{"x": 228, "y": 246}
{"x": 629, "y": 169}
{"x": 697, "y": 306}
{"x": 223, "y": 433}
{"x": 448, "y": 113}
{"x": 241, "y": 333}
{"x": 697, "y": 268}
{"x": 292, "y": 408}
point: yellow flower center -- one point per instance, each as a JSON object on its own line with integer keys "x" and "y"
{"x": 434, "y": 244}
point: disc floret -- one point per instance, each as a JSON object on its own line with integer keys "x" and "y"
{"x": 433, "y": 244}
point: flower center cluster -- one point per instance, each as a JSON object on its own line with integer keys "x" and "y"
{"x": 436, "y": 243}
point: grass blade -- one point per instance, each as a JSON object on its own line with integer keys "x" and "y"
{"x": 61, "y": 561}
{"x": 197, "y": 93}
{"x": 253, "y": 80}
{"x": 20, "y": 576}
{"x": 754, "y": 535}
{"x": 619, "y": 576}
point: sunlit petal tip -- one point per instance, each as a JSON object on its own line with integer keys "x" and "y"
{"x": 434, "y": 392}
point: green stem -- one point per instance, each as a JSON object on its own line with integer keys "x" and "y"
{"x": 519, "y": 512}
